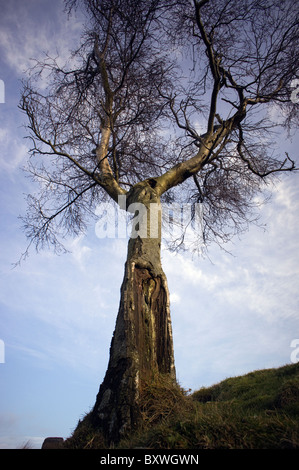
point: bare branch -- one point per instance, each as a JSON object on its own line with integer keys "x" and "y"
{"x": 168, "y": 93}
{"x": 251, "y": 165}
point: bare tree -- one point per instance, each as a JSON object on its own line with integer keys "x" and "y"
{"x": 164, "y": 101}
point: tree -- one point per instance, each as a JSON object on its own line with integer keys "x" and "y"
{"x": 164, "y": 101}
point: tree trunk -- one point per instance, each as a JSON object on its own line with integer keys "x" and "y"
{"x": 142, "y": 340}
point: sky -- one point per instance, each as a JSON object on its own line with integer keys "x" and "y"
{"x": 232, "y": 312}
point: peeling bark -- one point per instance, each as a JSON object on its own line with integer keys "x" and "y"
{"x": 142, "y": 341}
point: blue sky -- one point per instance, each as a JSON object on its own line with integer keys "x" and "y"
{"x": 231, "y": 313}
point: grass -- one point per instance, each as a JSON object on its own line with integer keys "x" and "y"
{"x": 259, "y": 410}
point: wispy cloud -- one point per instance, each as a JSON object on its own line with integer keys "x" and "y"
{"x": 18, "y": 43}
{"x": 58, "y": 313}
{"x": 80, "y": 252}
{"x": 239, "y": 312}
{"x": 13, "y": 150}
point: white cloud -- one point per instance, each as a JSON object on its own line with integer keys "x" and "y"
{"x": 13, "y": 151}
{"x": 239, "y": 313}
{"x": 79, "y": 251}
{"x": 228, "y": 317}
{"x": 189, "y": 270}
{"x": 175, "y": 298}
{"x": 21, "y": 40}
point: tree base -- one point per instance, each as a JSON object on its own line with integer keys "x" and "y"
{"x": 161, "y": 398}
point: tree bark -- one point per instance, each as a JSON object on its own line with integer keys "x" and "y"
{"x": 142, "y": 341}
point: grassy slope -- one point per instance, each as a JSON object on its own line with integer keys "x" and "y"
{"x": 259, "y": 410}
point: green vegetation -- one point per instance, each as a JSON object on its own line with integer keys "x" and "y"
{"x": 259, "y": 410}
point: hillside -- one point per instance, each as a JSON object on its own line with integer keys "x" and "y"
{"x": 259, "y": 410}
